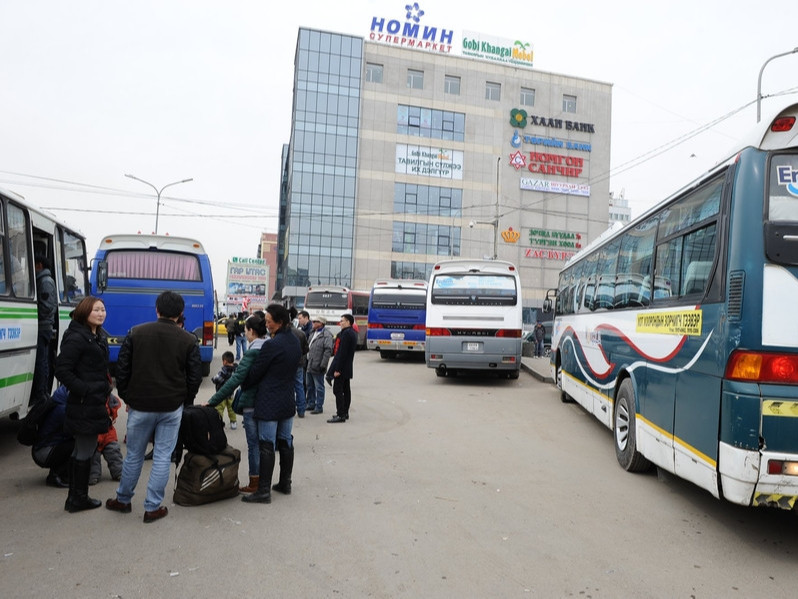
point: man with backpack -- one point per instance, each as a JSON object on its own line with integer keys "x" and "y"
{"x": 158, "y": 371}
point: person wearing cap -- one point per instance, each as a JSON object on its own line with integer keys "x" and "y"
{"x": 319, "y": 352}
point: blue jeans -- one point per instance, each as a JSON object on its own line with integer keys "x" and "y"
{"x": 272, "y": 430}
{"x": 299, "y": 390}
{"x": 316, "y": 389}
{"x": 539, "y": 349}
{"x": 141, "y": 427}
{"x": 251, "y": 433}
{"x": 241, "y": 346}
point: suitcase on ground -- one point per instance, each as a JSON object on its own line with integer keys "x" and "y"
{"x": 205, "y": 479}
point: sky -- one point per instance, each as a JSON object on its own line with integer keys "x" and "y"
{"x": 166, "y": 90}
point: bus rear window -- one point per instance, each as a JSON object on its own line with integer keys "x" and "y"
{"x": 474, "y": 290}
{"x": 326, "y": 299}
{"x": 135, "y": 264}
{"x": 408, "y": 300}
{"x": 783, "y": 188}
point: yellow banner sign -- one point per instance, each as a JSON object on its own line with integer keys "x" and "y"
{"x": 687, "y": 322}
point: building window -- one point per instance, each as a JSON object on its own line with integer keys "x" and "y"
{"x": 419, "y": 238}
{"x": 527, "y": 96}
{"x": 451, "y": 85}
{"x": 427, "y": 199}
{"x": 415, "y": 79}
{"x": 429, "y": 122}
{"x": 493, "y": 91}
{"x": 568, "y": 103}
{"x": 373, "y": 72}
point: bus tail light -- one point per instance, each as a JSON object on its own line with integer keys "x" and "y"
{"x": 207, "y": 333}
{"x": 438, "y": 332}
{"x": 760, "y": 367}
{"x": 375, "y": 325}
{"x": 419, "y": 327}
{"x": 782, "y": 124}
{"x": 783, "y": 467}
{"x": 510, "y": 333}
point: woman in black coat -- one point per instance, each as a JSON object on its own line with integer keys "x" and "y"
{"x": 82, "y": 367}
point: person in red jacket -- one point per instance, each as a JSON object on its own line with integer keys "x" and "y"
{"x": 108, "y": 447}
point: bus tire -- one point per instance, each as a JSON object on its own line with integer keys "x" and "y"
{"x": 624, "y": 430}
{"x": 514, "y": 374}
{"x": 564, "y": 397}
{"x": 206, "y": 368}
{"x": 387, "y": 354}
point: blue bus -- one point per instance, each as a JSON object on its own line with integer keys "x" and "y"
{"x": 397, "y": 317}
{"x": 130, "y": 271}
{"x": 679, "y": 331}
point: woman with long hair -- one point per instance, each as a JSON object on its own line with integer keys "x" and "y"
{"x": 82, "y": 367}
{"x": 272, "y": 374}
{"x": 256, "y": 334}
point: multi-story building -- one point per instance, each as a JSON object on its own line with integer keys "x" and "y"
{"x": 400, "y": 157}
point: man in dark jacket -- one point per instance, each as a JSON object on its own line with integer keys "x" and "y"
{"x": 341, "y": 369}
{"x": 159, "y": 371}
{"x": 47, "y": 310}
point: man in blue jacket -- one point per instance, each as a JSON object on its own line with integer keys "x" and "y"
{"x": 341, "y": 369}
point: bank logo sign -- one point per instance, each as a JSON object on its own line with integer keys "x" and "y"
{"x": 517, "y": 53}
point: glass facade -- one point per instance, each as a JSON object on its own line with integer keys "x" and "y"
{"x": 320, "y": 211}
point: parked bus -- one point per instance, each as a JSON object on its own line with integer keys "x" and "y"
{"x": 331, "y": 301}
{"x": 397, "y": 316}
{"x": 474, "y": 318}
{"x": 129, "y": 273}
{"x": 679, "y": 331}
{"x": 25, "y": 230}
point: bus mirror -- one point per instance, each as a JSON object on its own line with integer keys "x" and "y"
{"x": 546, "y": 306}
{"x": 102, "y": 275}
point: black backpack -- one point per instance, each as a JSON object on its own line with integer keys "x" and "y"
{"x": 29, "y": 425}
{"x": 202, "y": 431}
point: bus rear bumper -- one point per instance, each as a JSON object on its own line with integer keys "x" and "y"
{"x": 389, "y": 345}
{"x": 745, "y": 478}
{"x": 476, "y": 362}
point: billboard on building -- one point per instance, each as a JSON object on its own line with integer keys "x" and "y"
{"x": 247, "y": 284}
{"x": 516, "y": 53}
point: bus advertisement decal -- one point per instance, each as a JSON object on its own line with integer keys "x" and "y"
{"x": 684, "y": 322}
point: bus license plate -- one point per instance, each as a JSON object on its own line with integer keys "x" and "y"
{"x": 473, "y": 346}
{"x": 397, "y": 336}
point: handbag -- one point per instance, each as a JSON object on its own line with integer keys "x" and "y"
{"x": 237, "y": 408}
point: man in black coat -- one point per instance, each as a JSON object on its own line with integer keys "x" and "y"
{"x": 159, "y": 370}
{"x": 341, "y": 369}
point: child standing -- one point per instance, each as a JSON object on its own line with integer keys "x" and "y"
{"x": 228, "y": 367}
{"x": 108, "y": 446}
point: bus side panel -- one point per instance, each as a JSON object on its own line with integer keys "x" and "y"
{"x": 19, "y": 328}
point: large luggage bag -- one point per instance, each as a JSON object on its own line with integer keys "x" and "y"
{"x": 204, "y": 479}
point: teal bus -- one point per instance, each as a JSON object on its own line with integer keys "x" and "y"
{"x": 679, "y": 331}
{"x": 130, "y": 271}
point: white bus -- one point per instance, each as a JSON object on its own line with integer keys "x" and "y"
{"x": 474, "y": 317}
{"x": 25, "y": 230}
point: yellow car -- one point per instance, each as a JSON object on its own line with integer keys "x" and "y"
{"x": 221, "y": 327}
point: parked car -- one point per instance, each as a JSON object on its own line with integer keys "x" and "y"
{"x": 221, "y": 327}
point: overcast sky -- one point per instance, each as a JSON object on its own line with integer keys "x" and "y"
{"x": 168, "y": 90}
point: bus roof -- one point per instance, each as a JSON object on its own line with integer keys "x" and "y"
{"x": 159, "y": 242}
{"x": 475, "y": 265}
{"x": 400, "y": 283}
{"x": 13, "y": 195}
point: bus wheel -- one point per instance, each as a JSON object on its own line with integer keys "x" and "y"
{"x": 624, "y": 431}
{"x": 206, "y": 368}
{"x": 385, "y": 354}
{"x": 440, "y": 371}
{"x": 514, "y": 374}
{"x": 564, "y": 397}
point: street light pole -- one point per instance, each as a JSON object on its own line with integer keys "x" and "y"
{"x": 759, "y": 81}
{"x": 158, "y": 193}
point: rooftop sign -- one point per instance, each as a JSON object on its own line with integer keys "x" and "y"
{"x": 485, "y": 47}
{"x": 410, "y": 33}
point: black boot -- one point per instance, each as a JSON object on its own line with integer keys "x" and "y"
{"x": 263, "y": 494}
{"x": 54, "y": 480}
{"x": 286, "y": 466}
{"x": 78, "y": 498}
